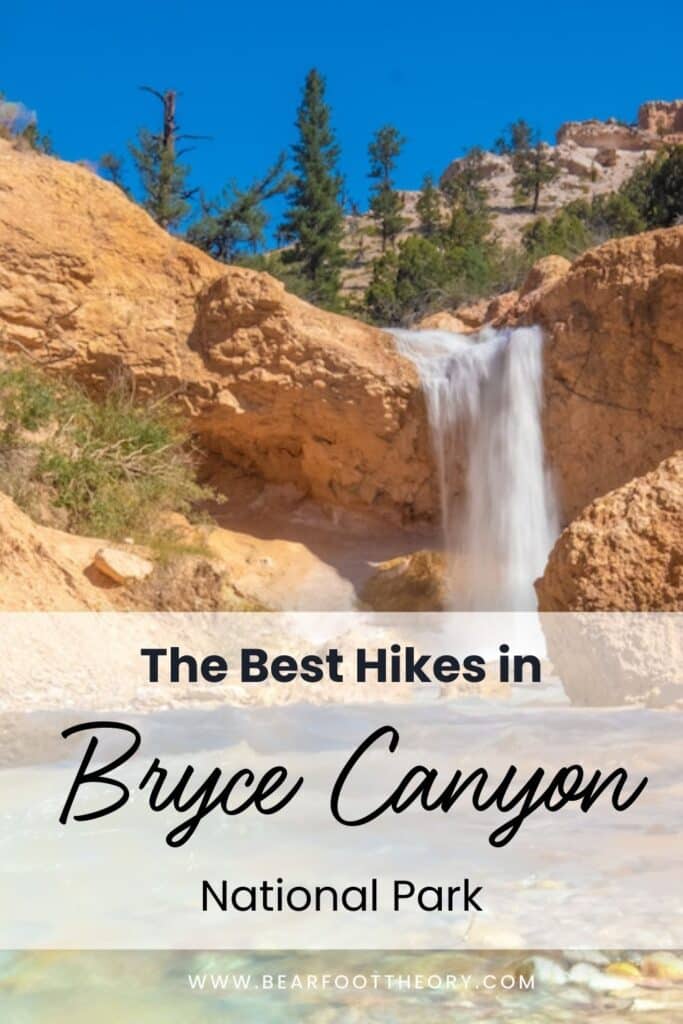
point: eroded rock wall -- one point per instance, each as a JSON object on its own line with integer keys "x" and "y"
{"x": 91, "y": 286}
{"x": 624, "y": 552}
{"x": 614, "y": 364}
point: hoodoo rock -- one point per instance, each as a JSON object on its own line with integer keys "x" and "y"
{"x": 662, "y": 117}
{"x": 91, "y": 286}
{"x": 624, "y": 552}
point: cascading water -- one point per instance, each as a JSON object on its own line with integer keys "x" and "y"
{"x": 498, "y": 509}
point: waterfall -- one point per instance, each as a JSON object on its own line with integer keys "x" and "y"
{"x": 498, "y": 511}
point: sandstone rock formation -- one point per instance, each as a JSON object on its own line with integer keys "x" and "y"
{"x": 624, "y": 552}
{"x": 411, "y": 583}
{"x": 90, "y": 285}
{"x": 592, "y": 157}
{"x": 443, "y": 321}
{"x": 605, "y": 135}
{"x": 661, "y": 117}
{"x": 614, "y": 363}
{"x": 544, "y": 273}
{"x": 42, "y": 569}
{"x": 613, "y": 323}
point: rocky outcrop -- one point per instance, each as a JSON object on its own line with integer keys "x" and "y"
{"x": 443, "y": 321}
{"x": 410, "y": 583}
{"x": 609, "y": 134}
{"x": 506, "y": 308}
{"x": 544, "y": 273}
{"x": 44, "y": 570}
{"x": 658, "y": 121}
{"x": 91, "y": 286}
{"x": 614, "y": 363}
{"x": 661, "y": 117}
{"x": 624, "y": 552}
{"x": 613, "y": 324}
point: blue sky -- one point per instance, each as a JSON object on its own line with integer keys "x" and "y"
{"x": 448, "y": 75}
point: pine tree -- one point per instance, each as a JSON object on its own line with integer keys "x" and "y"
{"x": 534, "y": 168}
{"x": 655, "y": 189}
{"x": 237, "y": 220}
{"x": 386, "y": 204}
{"x": 112, "y": 166}
{"x": 36, "y": 139}
{"x": 516, "y": 138}
{"x": 429, "y": 208}
{"x": 532, "y": 163}
{"x": 469, "y": 220}
{"x": 314, "y": 220}
{"x": 157, "y": 159}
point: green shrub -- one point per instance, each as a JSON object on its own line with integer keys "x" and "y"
{"x": 582, "y": 224}
{"x": 656, "y": 188}
{"x": 565, "y": 234}
{"x": 113, "y": 467}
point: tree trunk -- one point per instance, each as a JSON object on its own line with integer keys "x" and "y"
{"x": 170, "y": 126}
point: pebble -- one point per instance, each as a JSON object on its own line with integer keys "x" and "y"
{"x": 547, "y": 971}
{"x": 664, "y": 966}
{"x": 621, "y": 968}
{"x": 596, "y": 980}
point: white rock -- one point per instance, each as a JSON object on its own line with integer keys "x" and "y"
{"x": 122, "y": 566}
{"x": 596, "y": 980}
{"x": 548, "y": 972}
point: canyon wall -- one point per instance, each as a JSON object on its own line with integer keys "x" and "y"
{"x": 90, "y": 286}
{"x": 614, "y": 363}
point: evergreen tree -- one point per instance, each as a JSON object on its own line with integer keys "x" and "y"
{"x": 534, "y": 168}
{"x": 237, "y": 220}
{"x": 532, "y": 163}
{"x": 386, "y": 204}
{"x": 517, "y": 137}
{"x": 469, "y": 220}
{"x": 429, "y": 208}
{"x": 37, "y": 140}
{"x": 162, "y": 175}
{"x": 314, "y": 220}
{"x": 112, "y": 166}
{"x": 656, "y": 188}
